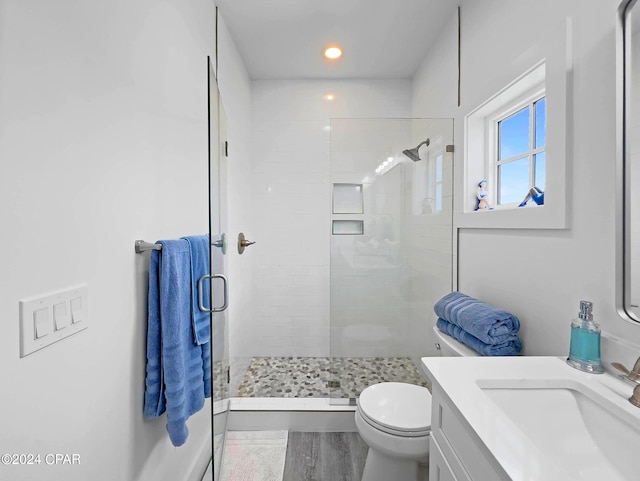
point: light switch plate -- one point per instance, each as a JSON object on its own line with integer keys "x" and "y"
{"x": 66, "y": 314}
{"x": 60, "y": 317}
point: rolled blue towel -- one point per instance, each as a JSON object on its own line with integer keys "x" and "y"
{"x": 510, "y": 347}
{"x": 485, "y": 322}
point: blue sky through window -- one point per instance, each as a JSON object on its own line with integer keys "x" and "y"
{"x": 514, "y": 181}
{"x": 514, "y": 134}
{"x": 515, "y": 143}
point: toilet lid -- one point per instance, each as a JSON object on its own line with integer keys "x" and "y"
{"x": 401, "y": 407}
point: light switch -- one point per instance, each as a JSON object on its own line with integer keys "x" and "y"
{"x": 52, "y": 317}
{"x": 76, "y": 310}
{"x": 60, "y": 316}
{"x": 41, "y": 323}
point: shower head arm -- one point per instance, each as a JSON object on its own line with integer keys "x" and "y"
{"x": 426, "y": 142}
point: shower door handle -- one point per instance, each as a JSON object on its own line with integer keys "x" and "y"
{"x": 243, "y": 242}
{"x": 225, "y": 298}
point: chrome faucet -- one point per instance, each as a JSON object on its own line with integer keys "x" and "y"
{"x": 633, "y": 375}
{"x": 635, "y": 397}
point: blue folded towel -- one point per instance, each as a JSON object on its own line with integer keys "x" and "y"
{"x": 176, "y": 380}
{"x": 485, "y": 322}
{"x": 199, "y": 247}
{"x": 509, "y": 347}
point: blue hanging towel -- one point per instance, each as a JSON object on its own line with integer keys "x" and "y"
{"x": 176, "y": 378}
{"x": 199, "y": 247}
{"x": 154, "y": 401}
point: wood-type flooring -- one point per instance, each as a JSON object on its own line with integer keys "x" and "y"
{"x": 324, "y": 457}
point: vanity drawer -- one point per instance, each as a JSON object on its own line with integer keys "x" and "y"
{"x": 439, "y": 468}
{"x": 460, "y": 445}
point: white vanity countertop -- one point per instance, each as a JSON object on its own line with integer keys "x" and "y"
{"x": 463, "y": 380}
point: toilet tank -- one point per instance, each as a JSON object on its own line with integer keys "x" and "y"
{"x": 450, "y": 347}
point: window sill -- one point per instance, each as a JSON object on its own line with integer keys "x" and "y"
{"x": 531, "y": 217}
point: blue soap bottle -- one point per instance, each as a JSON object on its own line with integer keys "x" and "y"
{"x": 584, "y": 352}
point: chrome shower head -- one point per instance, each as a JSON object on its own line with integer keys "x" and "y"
{"x": 414, "y": 154}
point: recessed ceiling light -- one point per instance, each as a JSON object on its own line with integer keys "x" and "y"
{"x": 333, "y": 52}
{"x": 330, "y": 97}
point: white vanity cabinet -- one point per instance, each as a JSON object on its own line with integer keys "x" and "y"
{"x": 456, "y": 453}
{"x": 528, "y": 418}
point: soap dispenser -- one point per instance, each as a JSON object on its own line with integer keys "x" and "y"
{"x": 584, "y": 352}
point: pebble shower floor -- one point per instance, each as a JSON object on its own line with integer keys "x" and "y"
{"x": 344, "y": 377}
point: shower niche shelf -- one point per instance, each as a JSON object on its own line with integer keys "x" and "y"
{"x": 347, "y": 199}
{"x": 347, "y": 227}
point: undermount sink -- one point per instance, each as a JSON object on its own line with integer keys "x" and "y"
{"x": 596, "y": 437}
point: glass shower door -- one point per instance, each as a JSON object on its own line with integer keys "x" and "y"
{"x": 391, "y": 247}
{"x": 218, "y": 251}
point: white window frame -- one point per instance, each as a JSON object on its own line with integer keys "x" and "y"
{"x": 551, "y": 72}
{"x": 526, "y": 99}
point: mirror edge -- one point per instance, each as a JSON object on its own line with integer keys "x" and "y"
{"x": 622, "y": 243}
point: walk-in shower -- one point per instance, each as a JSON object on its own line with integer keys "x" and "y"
{"x": 389, "y": 239}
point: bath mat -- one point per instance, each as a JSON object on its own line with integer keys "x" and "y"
{"x": 254, "y": 456}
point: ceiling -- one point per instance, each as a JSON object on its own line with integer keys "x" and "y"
{"x": 285, "y": 39}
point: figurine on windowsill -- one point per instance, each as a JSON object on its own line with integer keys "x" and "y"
{"x": 482, "y": 197}
{"x": 534, "y": 194}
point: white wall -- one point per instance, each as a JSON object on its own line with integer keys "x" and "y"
{"x": 291, "y": 199}
{"x": 541, "y": 275}
{"x": 104, "y": 140}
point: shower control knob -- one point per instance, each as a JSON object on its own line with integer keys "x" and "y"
{"x": 242, "y": 243}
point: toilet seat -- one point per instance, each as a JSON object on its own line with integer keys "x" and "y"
{"x": 397, "y": 408}
{"x": 388, "y": 430}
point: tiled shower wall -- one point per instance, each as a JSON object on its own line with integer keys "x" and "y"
{"x": 385, "y": 282}
{"x": 290, "y": 157}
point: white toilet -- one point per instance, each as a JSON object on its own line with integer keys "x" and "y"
{"x": 394, "y": 419}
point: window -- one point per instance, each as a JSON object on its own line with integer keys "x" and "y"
{"x": 505, "y": 152}
{"x": 532, "y": 100}
{"x": 520, "y": 152}
{"x": 437, "y": 181}
{"x": 428, "y": 182}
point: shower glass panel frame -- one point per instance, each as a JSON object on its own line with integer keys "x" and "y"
{"x": 217, "y": 228}
{"x": 385, "y": 280}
